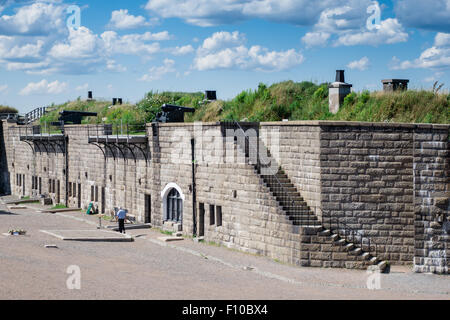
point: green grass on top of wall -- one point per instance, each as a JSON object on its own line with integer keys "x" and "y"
{"x": 284, "y": 100}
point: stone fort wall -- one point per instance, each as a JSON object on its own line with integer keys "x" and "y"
{"x": 386, "y": 185}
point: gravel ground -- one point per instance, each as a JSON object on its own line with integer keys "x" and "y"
{"x": 151, "y": 269}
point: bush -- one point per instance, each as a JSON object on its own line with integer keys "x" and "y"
{"x": 6, "y": 109}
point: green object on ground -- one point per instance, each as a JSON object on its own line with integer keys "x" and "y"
{"x": 89, "y": 210}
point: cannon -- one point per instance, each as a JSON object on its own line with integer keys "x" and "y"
{"x": 172, "y": 113}
{"x": 74, "y": 117}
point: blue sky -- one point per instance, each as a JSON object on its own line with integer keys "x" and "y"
{"x": 127, "y": 48}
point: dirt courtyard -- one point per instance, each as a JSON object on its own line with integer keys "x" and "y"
{"x": 149, "y": 268}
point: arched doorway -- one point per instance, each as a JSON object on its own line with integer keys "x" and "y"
{"x": 173, "y": 202}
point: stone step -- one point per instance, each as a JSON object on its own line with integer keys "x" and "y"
{"x": 366, "y": 255}
{"x": 335, "y": 237}
{"x": 350, "y": 247}
{"x": 356, "y": 252}
{"x": 340, "y": 242}
{"x": 293, "y": 203}
{"x": 298, "y": 212}
{"x": 325, "y": 233}
{"x": 282, "y": 187}
{"x": 306, "y": 222}
{"x": 383, "y": 266}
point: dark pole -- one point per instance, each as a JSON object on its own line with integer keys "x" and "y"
{"x": 194, "y": 191}
{"x": 66, "y": 151}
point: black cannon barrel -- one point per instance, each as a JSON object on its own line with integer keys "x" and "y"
{"x": 172, "y": 113}
{"x": 74, "y": 117}
{"x": 171, "y": 107}
{"x": 81, "y": 113}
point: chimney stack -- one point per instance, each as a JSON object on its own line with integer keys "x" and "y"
{"x": 114, "y": 101}
{"x": 210, "y": 95}
{"x": 119, "y": 101}
{"x": 340, "y": 76}
{"x": 338, "y": 91}
{"x": 90, "y": 95}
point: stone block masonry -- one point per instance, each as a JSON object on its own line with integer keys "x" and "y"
{"x": 379, "y": 191}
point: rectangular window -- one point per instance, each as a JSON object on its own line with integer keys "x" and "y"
{"x": 49, "y": 185}
{"x": 96, "y": 194}
{"x": 40, "y": 185}
{"x": 70, "y": 189}
{"x": 74, "y": 190}
{"x": 201, "y": 220}
{"x": 92, "y": 193}
{"x": 219, "y": 216}
{"x": 212, "y": 215}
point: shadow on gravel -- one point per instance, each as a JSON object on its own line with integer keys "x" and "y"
{"x": 5, "y": 213}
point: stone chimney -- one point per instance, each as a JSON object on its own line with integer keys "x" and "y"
{"x": 338, "y": 91}
{"x": 390, "y": 85}
{"x": 210, "y": 95}
{"x": 90, "y": 95}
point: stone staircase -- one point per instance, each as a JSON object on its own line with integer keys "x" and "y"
{"x": 297, "y": 211}
{"x": 289, "y": 199}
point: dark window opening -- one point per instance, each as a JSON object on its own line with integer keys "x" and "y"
{"x": 92, "y": 193}
{"x": 201, "y": 220}
{"x": 219, "y": 216}
{"x": 212, "y": 215}
{"x": 96, "y": 194}
{"x": 70, "y": 189}
{"x": 148, "y": 208}
{"x": 103, "y": 200}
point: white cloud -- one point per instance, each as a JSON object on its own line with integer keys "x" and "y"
{"x": 111, "y": 65}
{"x": 181, "y": 51}
{"x": 429, "y": 15}
{"x": 346, "y": 25}
{"x": 36, "y": 19}
{"x": 442, "y": 40}
{"x": 44, "y": 87}
{"x": 223, "y": 39}
{"x": 224, "y": 50}
{"x": 12, "y": 49}
{"x": 438, "y": 56}
{"x": 156, "y": 73}
{"x": 121, "y": 19}
{"x": 390, "y": 31}
{"x": 362, "y": 64}
{"x": 215, "y": 12}
{"x": 3, "y": 88}
{"x": 134, "y": 44}
{"x": 316, "y": 39}
{"x": 82, "y": 43}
